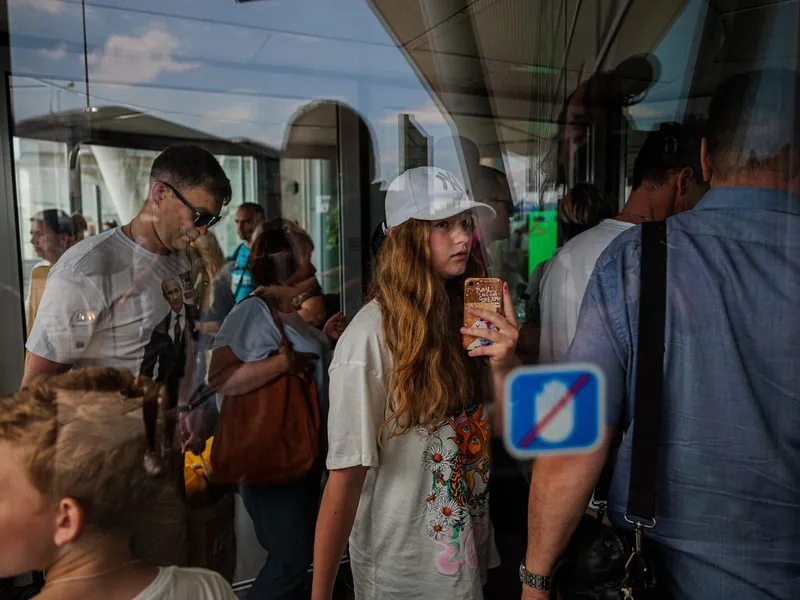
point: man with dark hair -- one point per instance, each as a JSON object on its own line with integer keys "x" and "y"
{"x": 104, "y": 296}
{"x": 188, "y": 166}
{"x": 248, "y": 217}
{"x": 667, "y": 179}
{"x": 234, "y": 281}
{"x": 727, "y": 484}
{"x": 52, "y": 234}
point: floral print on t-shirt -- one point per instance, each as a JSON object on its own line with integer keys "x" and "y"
{"x": 457, "y": 506}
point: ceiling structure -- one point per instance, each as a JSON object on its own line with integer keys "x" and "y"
{"x": 128, "y": 128}
{"x": 499, "y": 68}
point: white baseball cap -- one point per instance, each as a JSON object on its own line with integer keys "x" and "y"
{"x": 428, "y": 194}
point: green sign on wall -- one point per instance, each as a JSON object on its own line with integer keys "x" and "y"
{"x": 542, "y": 237}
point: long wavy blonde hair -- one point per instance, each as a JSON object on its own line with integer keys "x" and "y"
{"x": 209, "y": 260}
{"x": 432, "y": 376}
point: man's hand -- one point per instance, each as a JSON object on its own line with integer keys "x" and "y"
{"x": 195, "y": 429}
{"x": 561, "y": 486}
{"x": 288, "y": 292}
{"x": 335, "y": 327}
{"x": 299, "y": 363}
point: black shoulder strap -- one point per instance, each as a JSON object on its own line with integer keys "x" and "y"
{"x": 649, "y": 373}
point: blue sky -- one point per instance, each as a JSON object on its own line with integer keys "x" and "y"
{"x": 232, "y": 70}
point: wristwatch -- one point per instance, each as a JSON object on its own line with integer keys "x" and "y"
{"x": 532, "y": 580}
{"x": 187, "y": 408}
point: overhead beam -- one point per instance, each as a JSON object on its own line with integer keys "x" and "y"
{"x": 612, "y": 34}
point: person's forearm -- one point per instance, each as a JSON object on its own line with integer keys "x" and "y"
{"x": 560, "y": 490}
{"x": 36, "y": 367}
{"x": 209, "y": 327}
{"x": 334, "y": 523}
{"x": 244, "y": 377}
{"x": 499, "y": 375}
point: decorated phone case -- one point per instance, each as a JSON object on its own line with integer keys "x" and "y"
{"x": 485, "y": 293}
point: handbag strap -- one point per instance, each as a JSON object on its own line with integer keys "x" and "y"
{"x": 278, "y": 323}
{"x": 649, "y": 389}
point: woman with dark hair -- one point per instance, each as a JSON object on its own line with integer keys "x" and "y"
{"x": 249, "y": 353}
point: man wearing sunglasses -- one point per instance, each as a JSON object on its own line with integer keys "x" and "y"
{"x": 105, "y": 296}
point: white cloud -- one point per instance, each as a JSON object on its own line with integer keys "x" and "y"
{"x": 129, "y": 59}
{"x": 425, "y": 115}
{"x": 48, "y": 6}
{"x": 56, "y": 53}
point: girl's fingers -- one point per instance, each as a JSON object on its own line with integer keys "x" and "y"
{"x": 508, "y": 307}
{"x": 494, "y": 352}
{"x": 496, "y": 319}
{"x": 484, "y": 334}
{"x": 503, "y": 333}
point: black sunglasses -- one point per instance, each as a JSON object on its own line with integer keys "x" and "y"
{"x": 201, "y": 219}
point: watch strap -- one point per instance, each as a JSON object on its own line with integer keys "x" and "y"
{"x": 532, "y": 580}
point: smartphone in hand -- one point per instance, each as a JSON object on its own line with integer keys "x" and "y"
{"x": 485, "y": 293}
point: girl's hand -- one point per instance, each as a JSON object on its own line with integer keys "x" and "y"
{"x": 501, "y": 352}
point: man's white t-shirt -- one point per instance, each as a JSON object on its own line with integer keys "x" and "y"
{"x": 422, "y": 529}
{"x": 175, "y": 583}
{"x": 564, "y": 284}
{"x": 102, "y": 301}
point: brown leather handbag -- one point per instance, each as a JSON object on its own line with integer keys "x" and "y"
{"x": 271, "y": 435}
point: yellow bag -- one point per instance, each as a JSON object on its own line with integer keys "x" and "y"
{"x": 197, "y": 471}
{"x": 212, "y": 542}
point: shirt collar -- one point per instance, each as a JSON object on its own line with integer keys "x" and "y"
{"x": 750, "y": 198}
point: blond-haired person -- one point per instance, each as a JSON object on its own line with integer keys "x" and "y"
{"x": 409, "y": 421}
{"x": 78, "y": 469}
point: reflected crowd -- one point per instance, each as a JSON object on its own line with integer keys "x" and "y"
{"x": 172, "y": 393}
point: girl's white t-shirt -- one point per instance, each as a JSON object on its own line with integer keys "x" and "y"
{"x": 176, "y": 583}
{"x": 422, "y": 529}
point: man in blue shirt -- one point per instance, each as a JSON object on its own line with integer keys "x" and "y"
{"x": 248, "y": 217}
{"x": 728, "y": 481}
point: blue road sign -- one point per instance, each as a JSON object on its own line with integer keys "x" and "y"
{"x": 554, "y": 409}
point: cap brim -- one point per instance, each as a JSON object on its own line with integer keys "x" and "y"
{"x": 452, "y": 211}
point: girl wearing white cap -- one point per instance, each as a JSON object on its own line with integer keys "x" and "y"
{"x": 409, "y": 421}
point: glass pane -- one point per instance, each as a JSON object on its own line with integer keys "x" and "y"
{"x": 344, "y": 131}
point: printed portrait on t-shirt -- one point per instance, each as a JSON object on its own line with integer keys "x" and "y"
{"x": 165, "y": 354}
{"x": 107, "y": 300}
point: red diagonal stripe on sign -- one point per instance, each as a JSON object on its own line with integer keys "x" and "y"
{"x": 553, "y": 412}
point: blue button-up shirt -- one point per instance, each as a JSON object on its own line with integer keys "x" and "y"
{"x": 728, "y": 492}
